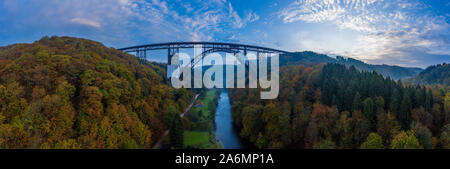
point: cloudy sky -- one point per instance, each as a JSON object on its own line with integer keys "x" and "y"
{"x": 401, "y": 32}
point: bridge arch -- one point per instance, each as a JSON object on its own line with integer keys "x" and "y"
{"x": 207, "y": 47}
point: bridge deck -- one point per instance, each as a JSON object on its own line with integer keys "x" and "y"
{"x": 171, "y": 45}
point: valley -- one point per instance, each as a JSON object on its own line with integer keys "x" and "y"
{"x": 72, "y": 93}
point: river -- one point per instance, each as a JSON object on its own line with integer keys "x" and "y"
{"x": 225, "y": 131}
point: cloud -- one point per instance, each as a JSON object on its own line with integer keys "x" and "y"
{"x": 199, "y": 21}
{"x": 241, "y": 22}
{"x": 386, "y": 29}
{"x": 87, "y": 22}
{"x": 130, "y": 22}
{"x": 346, "y": 14}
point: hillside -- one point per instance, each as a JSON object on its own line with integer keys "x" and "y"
{"x": 304, "y": 58}
{"x": 63, "y": 92}
{"x": 334, "y": 106}
{"x": 436, "y": 74}
{"x": 310, "y": 58}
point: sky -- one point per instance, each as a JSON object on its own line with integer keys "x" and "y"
{"x": 395, "y": 32}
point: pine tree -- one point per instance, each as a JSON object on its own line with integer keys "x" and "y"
{"x": 428, "y": 101}
{"x": 404, "y": 116}
{"x": 176, "y": 132}
{"x": 396, "y": 99}
{"x": 356, "y": 102}
{"x": 369, "y": 111}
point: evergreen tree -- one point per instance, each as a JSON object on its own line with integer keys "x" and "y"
{"x": 369, "y": 111}
{"x": 176, "y": 132}
{"x": 396, "y": 99}
{"x": 428, "y": 100}
{"x": 404, "y": 115}
{"x": 356, "y": 102}
{"x": 168, "y": 118}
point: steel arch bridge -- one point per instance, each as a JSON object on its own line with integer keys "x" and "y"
{"x": 206, "y": 48}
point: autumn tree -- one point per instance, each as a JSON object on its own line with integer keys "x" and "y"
{"x": 251, "y": 123}
{"x": 62, "y": 92}
{"x": 344, "y": 131}
{"x": 387, "y": 127}
{"x": 445, "y": 137}
{"x": 374, "y": 141}
{"x": 271, "y": 118}
{"x": 405, "y": 140}
{"x": 422, "y": 134}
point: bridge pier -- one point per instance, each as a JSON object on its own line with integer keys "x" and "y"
{"x": 206, "y": 47}
{"x": 141, "y": 54}
{"x": 171, "y": 52}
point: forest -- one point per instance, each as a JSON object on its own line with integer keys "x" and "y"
{"x": 435, "y": 74}
{"x": 308, "y": 58}
{"x": 334, "y": 106}
{"x": 62, "y": 92}
{"x": 71, "y": 93}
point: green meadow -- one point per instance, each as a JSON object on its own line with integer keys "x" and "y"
{"x": 199, "y": 132}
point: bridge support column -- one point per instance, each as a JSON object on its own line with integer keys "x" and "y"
{"x": 141, "y": 54}
{"x": 171, "y": 51}
{"x": 138, "y": 54}
{"x": 144, "y": 56}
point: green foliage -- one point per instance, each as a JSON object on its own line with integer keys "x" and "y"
{"x": 357, "y": 103}
{"x": 251, "y": 123}
{"x": 387, "y": 127}
{"x": 271, "y": 118}
{"x": 423, "y": 134}
{"x": 67, "y": 144}
{"x": 130, "y": 144}
{"x": 445, "y": 137}
{"x": 169, "y": 116}
{"x": 404, "y": 114}
{"x": 310, "y": 58}
{"x": 324, "y": 144}
{"x": 196, "y": 139}
{"x": 261, "y": 141}
{"x": 334, "y": 103}
{"x": 405, "y": 140}
{"x": 369, "y": 111}
{"x": 176, "y": 132}
{"x": 374, "y": 141}
{"x": 447, "y": 106}
{"x": 201, "y": 118}
{"x": 436, "y": 74}
{"x": 70, "y": 93}
{"x": 65, "y": 90}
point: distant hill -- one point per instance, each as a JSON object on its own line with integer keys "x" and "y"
{"x": 312, "y": 58}
{"x": 436, "y": 74}
{"x": 304, "y": 58}
{"x": 395, "y": 72}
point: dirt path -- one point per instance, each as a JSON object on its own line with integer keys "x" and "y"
{"x": 160, "y": 141}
